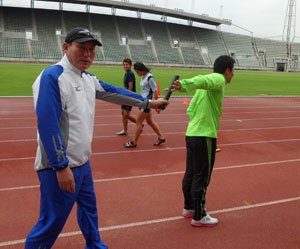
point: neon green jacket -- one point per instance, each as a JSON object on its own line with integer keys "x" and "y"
{"x": 205, "y": 108}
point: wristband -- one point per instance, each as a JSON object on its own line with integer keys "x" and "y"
{"x": 149, "y": 102}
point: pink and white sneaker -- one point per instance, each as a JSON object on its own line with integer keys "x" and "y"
{"x": 188, "y": 213}
{"x": 206, "y": 221}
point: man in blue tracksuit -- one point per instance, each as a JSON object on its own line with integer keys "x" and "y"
{"x": 64, "y": 99}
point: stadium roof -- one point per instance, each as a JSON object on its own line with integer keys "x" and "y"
{"x": 152, "y": 9}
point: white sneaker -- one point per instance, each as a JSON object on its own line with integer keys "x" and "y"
{"x": 122, "y": 133}
{"x": 205, "y": 221}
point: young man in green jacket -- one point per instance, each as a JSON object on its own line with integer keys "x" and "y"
{"x": 204, "y": 111}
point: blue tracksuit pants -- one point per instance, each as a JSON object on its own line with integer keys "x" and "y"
{"x": 57, "y": 204}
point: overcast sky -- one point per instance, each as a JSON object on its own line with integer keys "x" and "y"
{"x": 265, "y": 18}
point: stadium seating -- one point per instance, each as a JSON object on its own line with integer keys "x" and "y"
{"x": 296, "y": 51}
{"x": 273, "y": 49}
{"x": 17, "y": 19}
{"x": 242, "y": 47}
{"x": 159, "y": 33}
{"x": 192, "y": 56}
{"x": 140, "y": 49}
{"x": 75, "y": 19}
{"x": 13, "y": 48}
{"x": 210, "y": 40}
{"x": 130, "y": 27}
{"x": 105, "y": 27}
{"x": 142, "y": 53}
{"x": 187, "y": 42}
{"x": 13, "y": 41}
{"x": 38, "y": 34}
{"x": 46, "y": 46}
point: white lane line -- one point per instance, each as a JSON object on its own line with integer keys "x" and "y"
{"x": 13, "y": 242}
{"x": 16, "y": 127}
{"x": 163, "y": 220}
{"x": 221, "y": 120}
{"x": 19, "y": 188}
{"x": 225, "y": 107}
{"x": 165, "y": 114}
{"x": 259, "y": 119}
{"x": 162, "y": 149}
{"x": 182, "y": 148}
{"x": 19, "y": 140}
{"x": 166, "y": 133}
{"x": 102, "y": 110}
{"x": 182, "y": 172}
{"x": 16, "y": 159}
{"x": 173, "y": 122}
{"x": 163, "y": 174}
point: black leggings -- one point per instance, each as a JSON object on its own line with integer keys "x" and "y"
{"x": 200, "y": 159}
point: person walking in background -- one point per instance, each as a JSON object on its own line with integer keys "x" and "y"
{"x": 204, "y": 111}
{"x": 64, "y": 99}
{"x": 148, "y": 88}
{"x": 129, "y": 83}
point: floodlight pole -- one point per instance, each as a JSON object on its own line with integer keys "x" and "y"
{"x": 113, "y": 11}
{"x": 87, "y": 8}
{"x": 61, "y": 5}
{"x": 193, "y": 6}
{"x": 289, "y": 29}
{"x": 290, "y": 22}
{"x": 220, "y": 16}
{"x": 139, "y": 14}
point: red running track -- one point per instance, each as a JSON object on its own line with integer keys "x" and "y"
{"x": 254, "y": 192}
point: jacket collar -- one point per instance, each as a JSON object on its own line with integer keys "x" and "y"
{"x": 66, "y": 62}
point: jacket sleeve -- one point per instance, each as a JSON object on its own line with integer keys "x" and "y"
{"x": 206, "y": 82}
{"x": 120, "y": 96}
{"x": 49, "y": 111}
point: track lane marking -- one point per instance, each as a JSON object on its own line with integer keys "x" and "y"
{"x": 173, "y": 122}
{"x": 167, "y": 133}
{"x": 163, "y": 149}
{"x": 163, "y": 220}
{"x": 165, "y": 114}
{"x": 163, "y": 174}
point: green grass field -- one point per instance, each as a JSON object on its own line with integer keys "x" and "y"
{"x": 16, "y": 80}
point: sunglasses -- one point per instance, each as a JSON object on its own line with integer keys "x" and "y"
{"x": 86, "y": 33}
{"x": 82, "y": 34}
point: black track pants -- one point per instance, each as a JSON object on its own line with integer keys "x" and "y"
{"x": 200, "y": 159}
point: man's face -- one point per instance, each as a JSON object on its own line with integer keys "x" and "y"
{"x": 81, "y": 55}
{"x": 229, "y": 75}
{"x": 126, "y": 66}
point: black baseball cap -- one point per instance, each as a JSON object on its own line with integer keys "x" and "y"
{"x": 82, "y": 35}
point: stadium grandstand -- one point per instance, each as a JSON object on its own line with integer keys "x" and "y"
{"x": 36, "y": 35}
